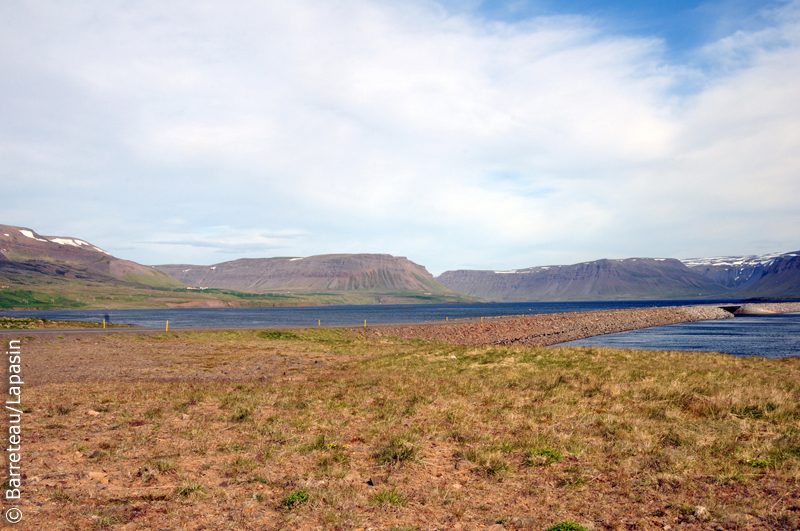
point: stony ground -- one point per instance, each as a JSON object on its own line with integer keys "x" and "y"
{"x": 550, "y": 329}
{"x": 770, "y": 307}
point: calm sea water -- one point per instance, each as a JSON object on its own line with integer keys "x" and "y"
{"x": 768, "y": 336}
{"x": 772, "y": 336}
{"x": 331, "y": 315}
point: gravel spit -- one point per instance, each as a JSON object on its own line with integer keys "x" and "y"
{"x": 554, "y": 328}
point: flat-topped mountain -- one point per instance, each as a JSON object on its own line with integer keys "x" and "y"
{"x": 632, "y": 278}
{"x": 26, "y": 254}
{"x": 336, "y": 272}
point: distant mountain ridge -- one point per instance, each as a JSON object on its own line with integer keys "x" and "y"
{"x": 632, "y": 278}
{"x": 28, "y": 259}
{"x": 26, "y": 253}
{"x": 742, "y": 272}
{"x": 339, "y": 272}
{"x": 764, "y": 276}
{"x": 53, "y": 271}
{"x": 781, "y": 279}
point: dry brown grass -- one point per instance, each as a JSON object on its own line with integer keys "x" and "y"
{"x": 416, "y": 435}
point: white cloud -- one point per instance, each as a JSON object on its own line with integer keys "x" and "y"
{"x": 369, "y": 126}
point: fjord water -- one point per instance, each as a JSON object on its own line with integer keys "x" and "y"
{"x": 767, "y": 336}
{"x": 333, "y": 315}
{"x": 772, "y": 336}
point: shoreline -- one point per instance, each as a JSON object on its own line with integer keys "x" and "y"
{"x": 537, "y": 330}
{"x": 541, "y": 330}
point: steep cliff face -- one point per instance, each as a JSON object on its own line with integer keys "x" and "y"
{"x": 633, "y": 278}
{"x": 338, "y": 272}
{"x": 737, "y": 272}
{"x": 29, "y": 252}
{"x": 780, "y": 278}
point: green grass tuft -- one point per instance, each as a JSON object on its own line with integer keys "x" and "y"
{"x": 276, "y": 335}
{"x": 295, "y": 498}
{"x": 567, "y": 526}
{"x": 388, "y": 497}
{"x": 542, "y": 457}
{"x": 397, "y": 450}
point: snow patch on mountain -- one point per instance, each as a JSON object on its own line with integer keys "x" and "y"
{"x": 29, "y": 234}
{"x": 735, "y": 261}
{"x": 69, "y": 241}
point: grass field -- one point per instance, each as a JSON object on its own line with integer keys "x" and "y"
{"x": 403, "y": 435}
{"x": 80, "y": 295}
{"x": 33, "y": 323}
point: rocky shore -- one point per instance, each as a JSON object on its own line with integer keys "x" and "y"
{"x": 762, "y": 308}
{"x": 550, "y": 329}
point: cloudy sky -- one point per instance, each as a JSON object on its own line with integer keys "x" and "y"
{"x": 461, "y": 134}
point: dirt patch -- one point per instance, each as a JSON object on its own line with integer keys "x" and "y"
{"x": 201, "y": 357}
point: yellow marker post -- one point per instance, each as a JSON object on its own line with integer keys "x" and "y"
{"x": 104, "y": 323}
{"x": 365, "y": 323}
{"x": 481, "y": 319}
{"x": 319, "y": 322}
{"x": 167, "y": 328}
{"x": 446, "y": 318}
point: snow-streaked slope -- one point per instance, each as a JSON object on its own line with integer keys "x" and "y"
{"x": 633, "y": 278}
{"x": 738, "y": 272}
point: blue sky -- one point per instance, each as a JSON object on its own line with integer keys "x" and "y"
{"x": 683, "y": 25}
{"x": 485, "y": 135}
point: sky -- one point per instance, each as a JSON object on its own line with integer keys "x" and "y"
{"x": 460, "y": 134}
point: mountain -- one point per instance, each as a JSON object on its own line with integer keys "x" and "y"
{"x": 632, "y": 279}
{"x": 45, "y": 272}
{"x": 61, "y": 271}
{"x": 30, "y": 257}
{"x": 332, "y": 272}
{"x": 767, "y": 276}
